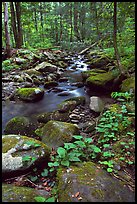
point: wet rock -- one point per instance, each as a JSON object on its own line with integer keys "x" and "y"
{"x": 54, "y": 115}
{"x": 63, "y": 79}
{"x": 89, "y": 183}
{"x": 50, "y": 84}
{"x": 74, "y": 116}
{"x": 55, "y": 133}
{"x": 96, "y": 104}
{"x": 66, "y": 106}
{"x": 29, "y": 94}
{"x": 64, "y": 93}
{"x": 15, "y": 148}
{"x": 80, "y": 100}
{"x": 11, "y": 193}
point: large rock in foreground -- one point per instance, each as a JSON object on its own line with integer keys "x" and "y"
{"x": 55, "y": 133}
{"x": 20, "y": 153}
{"x": 11, "y": 193}
{"x": 30, "y": 94}
{"x": 89, "y": 183}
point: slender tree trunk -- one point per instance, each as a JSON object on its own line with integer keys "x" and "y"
{"x": 7, "y": 36}
{"x": 35, "y": 18}
{"x": 61, "y": 26}
{"x": 19, "y": 27}
{"x": 115, "y": 38}
{"x": 76, "y": 20}
{"x": 13, "y": 22}
{"x": 97, "y": 21}
{"x": 71, "y": 23}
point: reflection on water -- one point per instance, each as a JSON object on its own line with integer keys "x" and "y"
{"x": 50, "y": 100}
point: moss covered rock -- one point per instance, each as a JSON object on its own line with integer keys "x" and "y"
{"x": 54, "y": 115}
{"x": 66, "y": 106}
{"x": 46, "y": 67}
{"x": 29, "y": 94}
{"x": 80, "y": 100}
{"x": 11, "y": 193}
{"x": 21, "y": 125}
{"x": 55, "y": 133}
{"x": 102, "y": 80}
{"x": 128, "y": 84}
{"x": 89, "y": 183}
{"x": 16, "y": 148}
{"x": 50, "y": 84}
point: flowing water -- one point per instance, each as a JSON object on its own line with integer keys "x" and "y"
{"x": 51, "y": 99}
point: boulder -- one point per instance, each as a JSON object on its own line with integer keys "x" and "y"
{"x": 20, "y": 125}
{"x": 128, "y": 84}
{"x": 80, "y": 100}
{"x": 11, "y": 193}
{"x": 96, "y": 104}
{"x": 29, "y": 94}
{"x": 54, "y": 115}
{"x": 66, "y": 106}
{"x": 87, "y": 182}
{"x": 50, "y": 84}
{"x": 55, "y": 133}
{"x": 103, "y": 81}
{"x": 46, "y": 67}
{"x": 20, "y": 153}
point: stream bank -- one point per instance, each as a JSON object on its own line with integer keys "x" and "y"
{"x": 69, "y": 84}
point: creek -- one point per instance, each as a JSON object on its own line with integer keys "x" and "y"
{"x": 51, "y": 98}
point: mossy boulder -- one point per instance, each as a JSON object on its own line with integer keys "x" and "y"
{"x": 128, "y": 84}
{"x": 11, "y": 193}
{"x": 102, "y": 80}
{"x": 54, "y": 115}
{"x": 87, "y": 182}
{"x": 20, "y": 125}
{"x": 55, "y": 133}
{"x": 99, "y": 60}
{"x": 15, "y": 148}
{"x": 66, "y": 106}
{"x": 80, "y": 100}
{"x": 46, "y": 67}
{"x": 33, "y": 72}
{"x": 92, "y": 72}
{"x": 29, "y": 94}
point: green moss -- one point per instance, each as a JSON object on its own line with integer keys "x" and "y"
{"x": 128, "y": 84}
{"x": 25, "y": 92}
{"x": 10, "y": 141}
{"x": 79, "y": 100}
{"x": 55, "y": 133}
{"x": 12, "y": 193}
{"x": 101, "y": 79}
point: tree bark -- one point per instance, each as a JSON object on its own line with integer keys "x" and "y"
{"x": 76, "y": 21}
{"x": 7, "y": 36}
{"x": 115, "y": 38}
{"x": 13, "y": 22}
{"x": 19, "y": 27}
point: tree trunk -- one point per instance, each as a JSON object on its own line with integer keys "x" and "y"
{"x": 76, "y": 20}
{"x": 19, "y": 27}
{"x": 7, "y": 36}
{"x": 71, "y": 23}
{"x": 115, "y": 39}
{"x": 13, "y": 22}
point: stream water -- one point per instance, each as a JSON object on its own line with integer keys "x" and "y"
{"x": 51, "y": 99}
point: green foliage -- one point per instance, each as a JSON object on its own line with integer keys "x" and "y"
{"x": 79, "y": 150}
{"x": 28, "y": 158}
{"x": 32, "y": 144}
{"x": 111, "y": 125}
